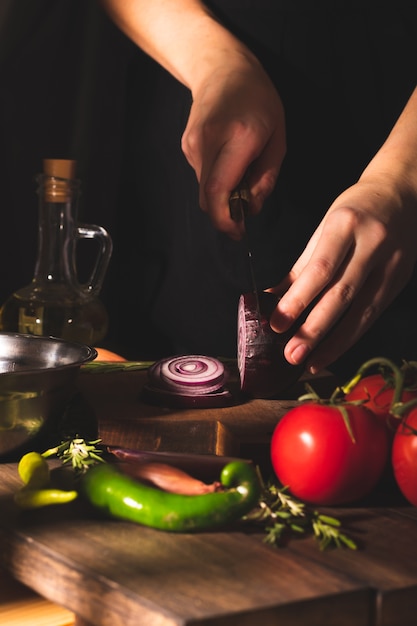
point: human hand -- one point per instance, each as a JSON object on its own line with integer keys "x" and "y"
{"x": 236, "y": 124}
{"x": 357, "y": 261}
{"x": 236, "y": 128}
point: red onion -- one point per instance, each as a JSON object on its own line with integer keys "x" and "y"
{"x": 198, "y": 381}
{"x": 168, "y": 478}
{"x": 206, "y": 467}
{"x": 264, "y": 371}
{"x": 187, "y": 381}
{"x": 189, "y": 375}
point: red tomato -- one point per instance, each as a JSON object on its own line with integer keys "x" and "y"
{"x": 313, "y": 454}
{"x": 378, "y": 395}
{"x": 404, "y": 457}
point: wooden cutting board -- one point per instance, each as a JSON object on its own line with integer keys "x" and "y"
{"x": 114, "y": 573}
{"x": 124, "y": 418}
{"x": 20, "y": 606}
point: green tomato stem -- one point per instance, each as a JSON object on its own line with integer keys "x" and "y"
{"x": 401, "y": 409}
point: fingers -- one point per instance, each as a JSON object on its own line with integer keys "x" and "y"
{"x": 324, "y": 317}
{"x": 327, "y": 255}
{"x": 352, "y": 271}
{"x": 375, "y": 296}
{"x": 236, "y": 129}
{"x": 344, "y": 313}
{"x": 220, "y": 170}
{"x": 264, "y": 171}
{"x": 237, "y": 160}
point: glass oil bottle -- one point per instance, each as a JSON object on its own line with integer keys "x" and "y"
{"x": 55, "y": 303}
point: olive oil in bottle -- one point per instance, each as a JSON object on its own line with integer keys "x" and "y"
{"x": 55, "y": 303}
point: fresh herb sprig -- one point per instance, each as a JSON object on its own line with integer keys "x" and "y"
{"x": 278, "y": 512}
{"x": 81, "y": 454}
{"x": 281, "y": 515}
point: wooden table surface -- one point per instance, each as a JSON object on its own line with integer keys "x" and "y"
{"x": 116, "y": 573}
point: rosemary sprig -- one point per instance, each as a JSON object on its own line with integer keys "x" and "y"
{"x": 277, "y": 511}
{"x": 282, "y": 515}
{"x": 81, "y": 454}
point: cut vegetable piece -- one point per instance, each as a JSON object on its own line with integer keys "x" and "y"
{"x": 187, "y": 381}
{"x": 168, "y": 478}
{"x": 264, "y": 371}
{"x": 206, "y": 467}
{"x": 190, "y": 375}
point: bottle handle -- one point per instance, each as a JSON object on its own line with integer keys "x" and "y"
{"x": 96, "y": 278}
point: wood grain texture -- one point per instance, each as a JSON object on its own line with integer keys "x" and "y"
{"x": 387, "y": 561}
{"x": 111, "y": 572}
{"x": 20, "y": 606}
{"x": 125, "y": 419}
{"x": 115, "y": 573}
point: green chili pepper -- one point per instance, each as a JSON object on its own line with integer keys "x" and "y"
{"x": 120, "y": 496}
{"x": 36, "y": 498}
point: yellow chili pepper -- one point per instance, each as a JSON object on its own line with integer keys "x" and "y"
{"x": 36, "y": 498}
{"x": 34, "y": 470}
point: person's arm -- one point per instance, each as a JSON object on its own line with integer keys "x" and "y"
{"x": 361, "y": 255}
{"x": 397, "y": 158}
{"x": 181, "y": 35}
{"x": 236, "y": 122}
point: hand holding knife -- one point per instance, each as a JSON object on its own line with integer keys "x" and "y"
{"x": 239, "y": 209}
{"x": 239, "y": 202}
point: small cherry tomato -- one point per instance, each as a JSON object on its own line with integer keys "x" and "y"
{"x": 314, "y": 454}
{"x": 108, "y": 355}
{"x": 404, "y": 456}
{"x": 378, "y": 393}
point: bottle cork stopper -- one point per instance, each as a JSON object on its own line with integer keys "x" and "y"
{"x": 59, "y": 176}
{"x": 60, "y": 168}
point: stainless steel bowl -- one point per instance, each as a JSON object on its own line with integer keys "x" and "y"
{"x": 37, "y": 380}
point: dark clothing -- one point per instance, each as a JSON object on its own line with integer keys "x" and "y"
{"x": 62, "y": 82}
{"x": 344, "y": 71}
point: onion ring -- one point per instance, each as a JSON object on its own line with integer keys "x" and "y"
{"x": 187, "y": 381}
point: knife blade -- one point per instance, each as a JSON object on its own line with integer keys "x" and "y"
{"x": 239, "y": 210}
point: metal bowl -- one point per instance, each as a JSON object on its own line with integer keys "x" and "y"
{"x": 37, "y": 380}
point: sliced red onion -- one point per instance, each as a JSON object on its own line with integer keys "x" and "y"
{"x": 187, "y": 380}
{"x": 197, "y": 381}
{"x": 264, "y": 371}
{"x": 189, "y": 375}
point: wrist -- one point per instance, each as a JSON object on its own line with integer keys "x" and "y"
{"x": 212, "y": 51}
{"x": 396, "y": 161}
{"x": 397, "y": 188}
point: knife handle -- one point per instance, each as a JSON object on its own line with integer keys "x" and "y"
{"x": 239, "y": 202}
